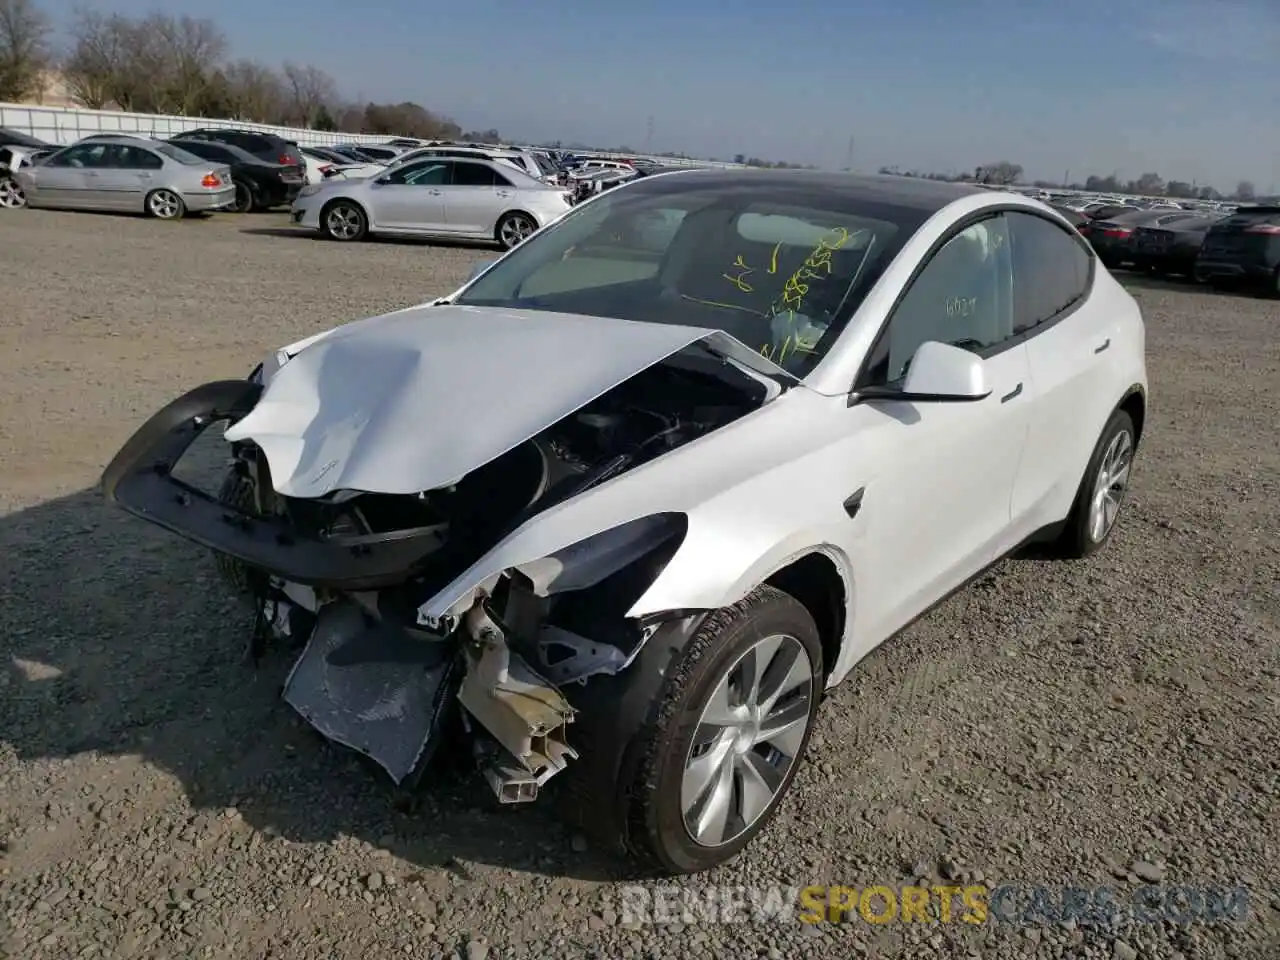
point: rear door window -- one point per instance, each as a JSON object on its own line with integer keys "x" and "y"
{"x": 473, "y": 175}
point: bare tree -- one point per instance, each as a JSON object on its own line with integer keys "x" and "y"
{"x": 1003, "y": 172}
{"x": 93, "y": 69}
{"x": 24, "y": 50}
{"x": 190, "y": 51}
{"x": 310, "y": 89}
{"x": 254, "y": 92}
{"x": 1245, "y": 190}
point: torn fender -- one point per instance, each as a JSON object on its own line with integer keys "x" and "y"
{"x": 416, "y": 400}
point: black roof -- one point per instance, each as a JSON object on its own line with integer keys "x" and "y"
{"x": 913, "y": 193}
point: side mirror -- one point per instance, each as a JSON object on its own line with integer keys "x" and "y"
{"x": 938, "y": 373}
{"x": 479, "y": 268}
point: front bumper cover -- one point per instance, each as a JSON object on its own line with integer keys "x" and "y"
{"x": 140, "y": 479}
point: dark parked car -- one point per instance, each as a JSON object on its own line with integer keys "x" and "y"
{"x": 1110, "y": 210}
{"x": 264, "y": 146}
{"x": 259, "y": 185}
{"x": 1171, "y": 247}
{"x": 1243, "y": 247}
{"x": 1074, "y": 217}
{"x": 15, "y": 138}
{"x": 1110, "y": 238}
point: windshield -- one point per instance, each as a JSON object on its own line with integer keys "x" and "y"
{"x": 779, "y": 265}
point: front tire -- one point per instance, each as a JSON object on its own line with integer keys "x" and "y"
{"x": 165, "y": 205}
{"x": 343, "y": 220}
{"x": 723, "y": 739}
{"x": 236, "y": 491}
{"x": 11, "y": 194}
{"x": 1106, "y": 481}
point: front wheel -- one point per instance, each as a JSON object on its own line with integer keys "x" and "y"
{"x": 11, "y": 195}
{"x": 165, "y": 205}
{"x": 1102, "y": 491}
{"x": 514, "y": 229}
{"x": 728, "y": 729}
{"x": 343, "y": 220}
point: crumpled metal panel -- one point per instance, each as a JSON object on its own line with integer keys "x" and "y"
{"x": 371, "y": 687}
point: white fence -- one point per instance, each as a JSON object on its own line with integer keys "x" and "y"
{"x": 63, "y": 125}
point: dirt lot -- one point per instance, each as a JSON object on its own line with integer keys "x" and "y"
{"x": 1095, "y": 724}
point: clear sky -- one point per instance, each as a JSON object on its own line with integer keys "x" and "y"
{"x": 1189, "y": 89}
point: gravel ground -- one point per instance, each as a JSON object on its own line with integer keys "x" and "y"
{"x": 1112, "y": 722}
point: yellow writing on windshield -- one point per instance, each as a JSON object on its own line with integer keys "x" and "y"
{"x": 789, "y": 347}
{"x": 816, "y": 266}
{"x": 741, "y": 271}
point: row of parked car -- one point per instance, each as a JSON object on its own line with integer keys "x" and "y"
{"x": 346, "y": 192}
{"x": 1222, "y": 246}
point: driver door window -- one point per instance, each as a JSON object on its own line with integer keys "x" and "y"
{"x": 962, "y": 297}
{"x": 84, "y": 155}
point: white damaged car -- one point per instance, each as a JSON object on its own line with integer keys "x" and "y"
{"x": 620, "y": 509}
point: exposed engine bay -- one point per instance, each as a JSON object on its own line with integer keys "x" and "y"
{"x": 371, "y": 676}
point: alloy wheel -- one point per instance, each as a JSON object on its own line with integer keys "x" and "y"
{"x": 516, "y": 230}
{"x": 748, "y": 737}
{"x": 165, "y": 205}
{"x": 343, "y": 222}
{"x": 1110, "y": 485}
{"x": 11, "y": 195}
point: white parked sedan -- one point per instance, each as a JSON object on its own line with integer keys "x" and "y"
{"x": 453, "y": 198}
{"x": 633, "y": 497}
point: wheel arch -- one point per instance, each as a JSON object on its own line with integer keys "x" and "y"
{"x": 328, "y": 204}
{"x": 817, "y": 584}
{"x": 497, "y": 224}
{"x": 1134, "y": 403}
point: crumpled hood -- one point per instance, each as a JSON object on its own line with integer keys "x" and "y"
{"x": 416, "y": 399}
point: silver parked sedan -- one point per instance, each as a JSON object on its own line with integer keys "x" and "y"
{"x": 447, "y": 198}
{"x": 128, "y": 174}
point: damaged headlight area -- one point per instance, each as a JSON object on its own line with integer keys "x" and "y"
{"x": 371, "y": 681}
{"x": 346, "y": 574}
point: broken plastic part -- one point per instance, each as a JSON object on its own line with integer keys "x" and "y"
{"x": 526, "y": 714}
{"x": 586, "y": 658}
{"x": 512, "y": 784}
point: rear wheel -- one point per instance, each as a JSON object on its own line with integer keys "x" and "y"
{"x": 244, "y": 198}
{"x": 514, "y": 229}
{"x": 343, "y": 220}
{"x": 1102, "y": 491}
{"x": 165, "y": 205}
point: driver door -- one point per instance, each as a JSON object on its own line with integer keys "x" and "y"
{"x": 938, "y": 478}
{"x": 61, "y": 181}
{"x": 411, "y": 198}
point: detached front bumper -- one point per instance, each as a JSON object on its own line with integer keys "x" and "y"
{"x": 140, "y": 479}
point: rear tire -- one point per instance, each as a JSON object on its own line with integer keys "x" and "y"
{"x": 656, "y": 809}
{"x": 244, "y": 198}
{"x": 1101, "y": 494}
{"x": 343, "y": 220}
{"x": 165, "y": 205}
{"x": 513, "y": 229}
